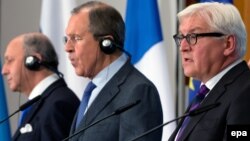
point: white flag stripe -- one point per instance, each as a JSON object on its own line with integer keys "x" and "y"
{"x": 155, "y": 66}
{"x": 54, "y": 18}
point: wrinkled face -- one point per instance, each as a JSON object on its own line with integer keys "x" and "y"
{"x": 206, "y": 58}
{"x": 13, "y": 65}
{"x": 81, "y": 46}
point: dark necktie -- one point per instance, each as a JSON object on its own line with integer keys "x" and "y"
{"x": 84, "y": 103}
{"x": 23, "y": 115}
{"x": 198, "y": 99}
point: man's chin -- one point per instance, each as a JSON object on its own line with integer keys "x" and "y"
{"x": 14, "y": 89}
{"x": 188, "y": 73}
{"x": 79, "y": 73}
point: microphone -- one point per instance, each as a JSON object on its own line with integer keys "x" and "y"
{"x": 191, "y": 113}
{"x": 116, "y": 112}
{"x": 22, "y": 107}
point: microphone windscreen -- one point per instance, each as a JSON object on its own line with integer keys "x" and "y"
{"x": 25, "y": 105}
{"x": 203, "y": 109}
{"x": 126, "y": 107}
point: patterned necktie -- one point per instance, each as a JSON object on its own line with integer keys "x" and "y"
{"x": 84, "y": 103}
{"x": 198, "y": 99}
{"x": 23, "y": 115}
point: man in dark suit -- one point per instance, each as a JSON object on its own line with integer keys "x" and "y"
{"x": 212, "y": 42}
{"x": 31, "y": 69}
{"x": 94, "y": 42}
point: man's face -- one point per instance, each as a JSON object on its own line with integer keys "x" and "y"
{"x": 81, "y": 46}
{"x": 204, "y": 59}
{"x": 13, "y": 64}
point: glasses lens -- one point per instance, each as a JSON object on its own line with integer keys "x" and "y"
{"x": 178, "y": 39}
{"x": 192, "y": 38}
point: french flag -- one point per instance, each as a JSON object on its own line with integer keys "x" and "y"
{"x": 144, "y": 41}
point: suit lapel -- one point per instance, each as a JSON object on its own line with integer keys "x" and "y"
{"x": 36, "y": 106}
{"x": 210, "y": 99}
{"x": 215, "y": 94}
{"x": 45, "y": 94}
{"x": 106, "y": 95}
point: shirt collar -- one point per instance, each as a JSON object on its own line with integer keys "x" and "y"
{"x": 42, "y": 85}
{"x": 213, "y": 81}
{"x": 108, "y": 72}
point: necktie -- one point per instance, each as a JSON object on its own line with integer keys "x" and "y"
{"x": 84, "y": 103}
{"x": 23, "y": 115}
{"x": 198, "y": 99}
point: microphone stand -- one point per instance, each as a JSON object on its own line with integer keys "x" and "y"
{"x": 89, "y": 126}
{"x": 158, "y": 127}
{"x": 191, "y": 113}
{"x": 24, "y": 106}
{"x": 116, "y": 112}
{"x": 6, "y": 118}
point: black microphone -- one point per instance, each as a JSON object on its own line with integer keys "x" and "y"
{"x": 116, "y": 112}
{"x": 22, "y": 107}
{"x": 191, "y": 113}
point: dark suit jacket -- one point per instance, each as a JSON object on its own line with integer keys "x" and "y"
{"x": 51, "y": 116}
{"x": 126, "y": 86}
{"x": 233, "y": 94}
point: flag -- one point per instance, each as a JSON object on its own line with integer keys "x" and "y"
{"x": 144, "y": 41}
{"x": 54, "y": 18}
{"x": 4, "y": 127}
{"x": 194, "y": 85}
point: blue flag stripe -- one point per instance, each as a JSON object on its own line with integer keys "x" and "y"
{"x": 4, "y": 127}
{"x": 140, "y": 36}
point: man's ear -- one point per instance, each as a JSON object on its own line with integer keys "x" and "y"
{"x": 230, "y": 45}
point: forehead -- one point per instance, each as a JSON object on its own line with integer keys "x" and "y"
{"x": 193, "y": 24}
{"x": 15, "y": 48}
{"x": 78, "y": 23}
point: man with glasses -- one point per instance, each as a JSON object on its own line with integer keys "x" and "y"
{"x": 212, "y": 43}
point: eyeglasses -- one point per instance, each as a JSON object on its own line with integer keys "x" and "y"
{"x": 192, "y": 38}
{"x": 73, "y": 38}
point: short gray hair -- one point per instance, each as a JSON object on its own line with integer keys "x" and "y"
{"x": 221, "y": 17}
